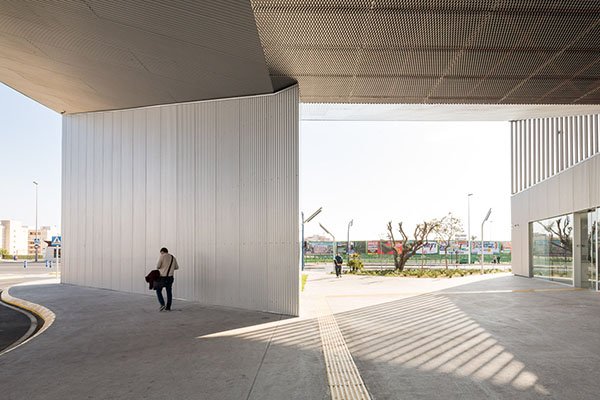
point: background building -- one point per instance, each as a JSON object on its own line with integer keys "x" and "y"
{"x": 45, "y": 234}
{"x": 556, "y": 198}
{"x": 14, "y": 237}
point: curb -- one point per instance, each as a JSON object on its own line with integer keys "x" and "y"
{"x": 45, "y": 314}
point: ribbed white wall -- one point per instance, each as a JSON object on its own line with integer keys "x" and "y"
{"x": 215, "y": 181}
{"x": 576, "y": 188}
{"x": 543, "y": 147}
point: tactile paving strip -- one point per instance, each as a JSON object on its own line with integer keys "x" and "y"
{"x": 344, "y": 379}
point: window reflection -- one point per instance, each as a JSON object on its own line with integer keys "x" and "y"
{"x": 553, "y": 249}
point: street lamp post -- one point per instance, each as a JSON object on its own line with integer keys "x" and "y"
{"x": 469, "y": 224}
{"x": 330, "y": 234}
{"x": 348, "y": 244}
{"x": 304, "y": 221}
{"x": 36, "y": 241}
{"x": 485, "y": 219}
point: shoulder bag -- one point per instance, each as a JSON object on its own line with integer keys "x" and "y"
{"x": 161, "y": 281}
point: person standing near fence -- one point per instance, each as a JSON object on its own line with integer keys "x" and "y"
{"x": 337, "y": 262}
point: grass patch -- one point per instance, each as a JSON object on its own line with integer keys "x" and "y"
{"x": 428, "y": 273}
{"x": 304, "y": 278}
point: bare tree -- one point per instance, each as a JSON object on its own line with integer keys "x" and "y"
{"x": 562, "y": 231}
{"x": 409, "y": 247}
{"x": 446, "y": 231}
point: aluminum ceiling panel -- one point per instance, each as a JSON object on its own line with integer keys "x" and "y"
{"x": 75, "y": 56}
{"x": 461, "y": 51}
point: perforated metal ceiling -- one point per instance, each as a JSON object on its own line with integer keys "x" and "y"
{"x": 435, "y": 51}
{"x": 87, "y": 55}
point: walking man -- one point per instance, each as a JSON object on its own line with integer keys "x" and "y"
{"x": 166, "y": 265}
{"x": 337, "y": 262}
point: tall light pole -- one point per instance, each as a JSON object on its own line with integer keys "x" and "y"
{"x": 485, "y": 219}
{"x": 348, "y": 244}
{"x": 304, "y": 221}
{"x": 37, "y": 239}
{"x": 469, "y": 224}
{"x": 330, "y": 234}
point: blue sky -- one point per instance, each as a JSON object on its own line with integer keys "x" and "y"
{"x": 30, "y": 142}
{"x": 371, "y": 172}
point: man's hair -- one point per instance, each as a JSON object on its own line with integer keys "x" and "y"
{"x": 164, "y": 250}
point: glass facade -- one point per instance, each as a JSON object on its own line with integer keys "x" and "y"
{"x": 552, "y": 249}
{"x": 565, "y": 249}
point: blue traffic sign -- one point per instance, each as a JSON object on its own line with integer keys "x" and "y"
{"x": 56, "y": 240}
{"x": 36, "y": 241}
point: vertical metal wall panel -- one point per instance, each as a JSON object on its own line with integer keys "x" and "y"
{"x": 127, "y": 202}
{"x": 529, "y": 154}
{"x": 228, "y": 201}
{"x": 595, "y": 133}
{"x": 538, "y": 150}
{"x": 512, "y": 157}
{"x": 586, "y": 137}
{"x": 116, "y": 211}
{"x": 520, "y": 155}
{"x": 65, "y": 177}
{"x": 542, "y": 148}
{"x": 138, "y": 239}
{"x": 206, "y": 152}
{"x": 153, "y": 186}
{"x": 572, "y": 141}
{"x": 216, "y": 182}
{"x": 106, "y": 195}
{"x": 545, "y": 149}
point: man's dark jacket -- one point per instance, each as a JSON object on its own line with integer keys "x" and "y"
{"x": 154, "y": 274}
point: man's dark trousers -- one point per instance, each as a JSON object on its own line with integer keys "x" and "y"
{"x": 169, "y": 287}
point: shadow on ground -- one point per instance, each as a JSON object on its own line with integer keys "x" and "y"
{"x": 476, "y": 345}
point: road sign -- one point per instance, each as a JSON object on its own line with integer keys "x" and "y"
{"x": 37, "y": 246}
{"x": 56, "y": 240}
{"x": 36, "y": 241}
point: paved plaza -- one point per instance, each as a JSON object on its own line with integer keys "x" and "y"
{"x": 496, "y": 336}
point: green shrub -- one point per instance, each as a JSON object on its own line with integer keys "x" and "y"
{"x": 354, "y": 263}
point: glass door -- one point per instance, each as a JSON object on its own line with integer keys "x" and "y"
{"x": 589, "y": 249}
{"x": 597, "y": 247}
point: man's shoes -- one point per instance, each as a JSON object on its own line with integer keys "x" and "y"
{"x": 162, "y": 308}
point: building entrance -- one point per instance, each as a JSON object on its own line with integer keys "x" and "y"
{"x": 588, "y": 250}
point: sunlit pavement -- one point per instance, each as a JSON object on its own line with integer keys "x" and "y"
{"x": 495, "y": 336}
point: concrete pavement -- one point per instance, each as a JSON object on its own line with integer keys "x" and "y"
{"x": 495, "y": 336}
{"x": 111, "y": 345}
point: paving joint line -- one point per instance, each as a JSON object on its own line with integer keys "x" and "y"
{"x": 264, "y": 356}
{"x": 457, "y": 292}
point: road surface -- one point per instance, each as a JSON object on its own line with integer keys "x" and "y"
{"x": 13, "y": 322}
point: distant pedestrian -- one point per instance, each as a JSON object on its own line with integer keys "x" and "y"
{"x": 166, "y": 265}
{"x": 337, "y": 262}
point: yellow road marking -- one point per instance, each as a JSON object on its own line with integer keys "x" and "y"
{"x": 3, "y": 277}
